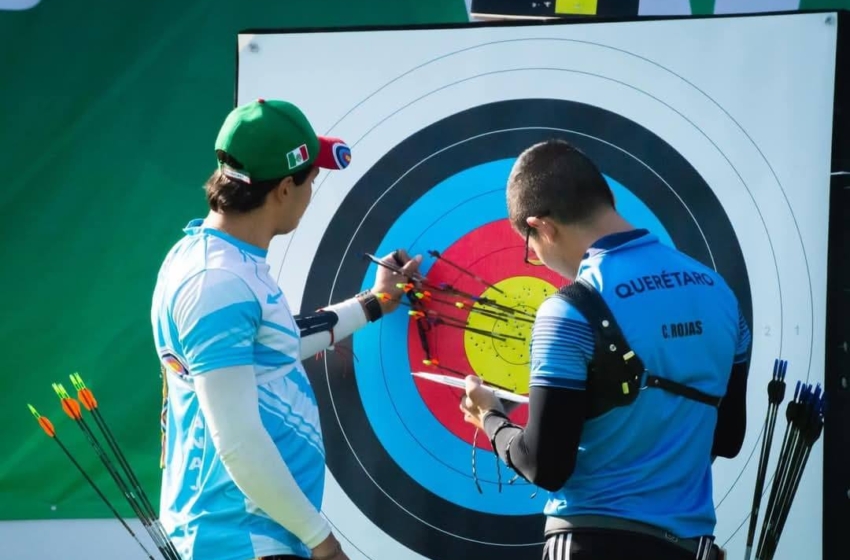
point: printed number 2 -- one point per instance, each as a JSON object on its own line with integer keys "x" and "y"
{"x": 767, "y": 330}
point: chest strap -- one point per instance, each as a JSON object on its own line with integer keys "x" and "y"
{"x": 615, "y": 374}
{"x": 683, "y": 390}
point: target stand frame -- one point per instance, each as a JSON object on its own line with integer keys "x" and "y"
{"x": 836, "y": 432}
{"x": 836, "y": 437}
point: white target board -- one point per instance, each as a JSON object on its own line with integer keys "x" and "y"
{"x": 714, "y": 133}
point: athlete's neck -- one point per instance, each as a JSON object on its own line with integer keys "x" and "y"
{"x": 248, "y": 227}
{"x": 584, "y": 236}
{"x": 607, "y": 223}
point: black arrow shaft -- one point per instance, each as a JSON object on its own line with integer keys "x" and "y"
{"x": 101, "y": 495}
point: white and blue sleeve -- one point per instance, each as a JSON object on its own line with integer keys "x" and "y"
{"x": 561, "y": 346}
{"x": 216, "y": 316}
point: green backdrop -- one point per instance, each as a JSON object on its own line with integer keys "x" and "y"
{"x": 109, "y": 114}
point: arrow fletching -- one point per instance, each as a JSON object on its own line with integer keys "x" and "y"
{"x": 87, "y": 398}
{"x": 45, "y": 424}
{"x": 84, "y": 394}
{"x": 69, "y": 405}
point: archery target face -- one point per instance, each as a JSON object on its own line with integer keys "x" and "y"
{"x": 435, "y": 119}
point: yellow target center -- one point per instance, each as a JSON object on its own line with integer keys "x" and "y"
{"x": 505, "y": 362}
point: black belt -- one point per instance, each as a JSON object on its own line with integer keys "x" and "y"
{"x": 703, "y": 548}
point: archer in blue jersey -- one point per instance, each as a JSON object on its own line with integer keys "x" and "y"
{"x": 684, "y": 322}
{"x": 641, "y": 472}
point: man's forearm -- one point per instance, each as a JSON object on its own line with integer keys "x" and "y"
{"x": 502, "y": 434}
{"x": 524, "y": 455}
{"x": 350, "y": 316}
{"x": 543, "y": 453}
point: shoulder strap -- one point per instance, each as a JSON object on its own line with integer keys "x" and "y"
{"x": 615, "y": 372}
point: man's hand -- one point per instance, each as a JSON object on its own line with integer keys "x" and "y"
{"x": 386, "y": 279}
{"x": 477, "y": 402}
{"x": 328, "y": 549}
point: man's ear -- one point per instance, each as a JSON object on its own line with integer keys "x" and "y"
{"x": 283, "y": 189}
{"x": 545, "y": 228}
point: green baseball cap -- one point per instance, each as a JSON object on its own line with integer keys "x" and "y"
{"x": 273, "y": 139}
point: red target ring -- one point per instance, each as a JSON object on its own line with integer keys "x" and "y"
{"x": 495, "y": 253}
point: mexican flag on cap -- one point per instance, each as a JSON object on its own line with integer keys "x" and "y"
{"x": 297, "y": 156}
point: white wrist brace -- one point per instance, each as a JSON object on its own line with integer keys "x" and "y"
{"x": 350, "y": 317}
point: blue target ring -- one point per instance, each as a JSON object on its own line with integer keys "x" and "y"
{"x": 434, "y": 457}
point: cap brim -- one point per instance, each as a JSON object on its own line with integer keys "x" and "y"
{"x": 333, "y": 153}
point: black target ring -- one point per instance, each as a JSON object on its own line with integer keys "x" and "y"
{"x": 691, "y": 213}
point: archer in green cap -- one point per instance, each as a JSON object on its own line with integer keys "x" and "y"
{"x": 243, "y": 454}
{"x": 268, "y": 152}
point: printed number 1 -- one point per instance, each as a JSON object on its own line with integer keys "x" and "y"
{"x": 797, "y": 329}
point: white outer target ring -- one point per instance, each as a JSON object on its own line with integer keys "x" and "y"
{"x": 551, "y": 66}
{"x": 441, "y": 100}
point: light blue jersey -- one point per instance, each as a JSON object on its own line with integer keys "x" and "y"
{"x": 215, "y": 305}
{"x": 650, "y": 461}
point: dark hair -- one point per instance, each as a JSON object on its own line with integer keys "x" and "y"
{"x": 228, "y": 195}
{"x": 555, "y": 179}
